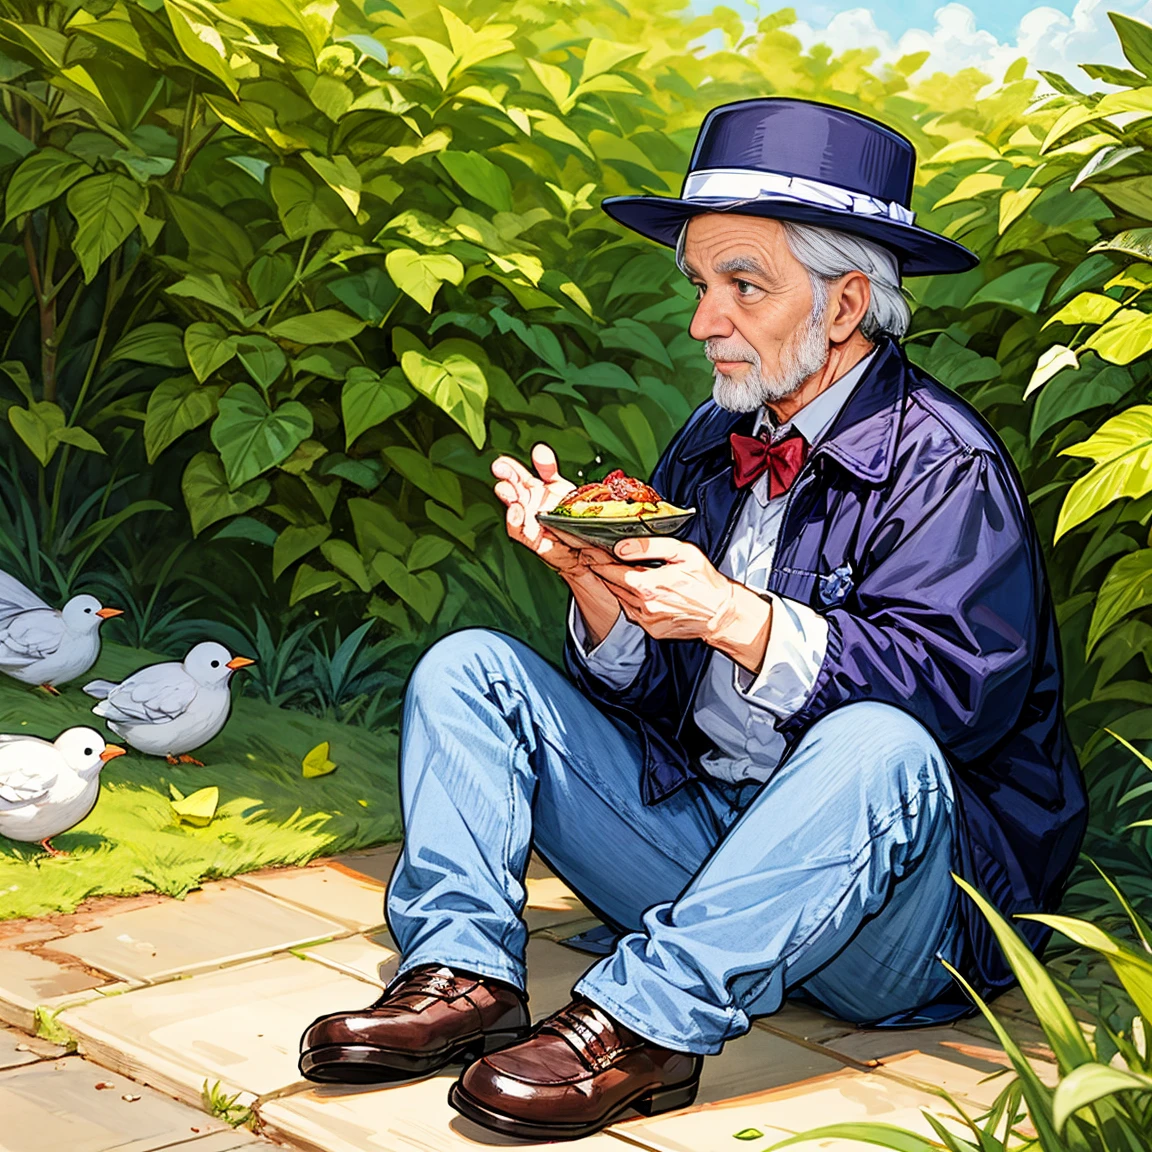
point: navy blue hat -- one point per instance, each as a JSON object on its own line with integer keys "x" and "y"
{"x": 803, "y": 161}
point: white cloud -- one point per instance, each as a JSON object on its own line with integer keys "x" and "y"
{"x": 1051, "y": 40}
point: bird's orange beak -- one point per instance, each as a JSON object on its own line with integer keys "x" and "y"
{"x": 111, "y": 751}
{"x": 108, "y": 613}
{"x": 239, "y": 662}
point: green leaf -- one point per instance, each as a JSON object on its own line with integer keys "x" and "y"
{"x": 423, "y": 591}
{"x": 1050, "y": 364}
{"x": 748, "y": 1134}
{"x": 201, "y": 42}
{"x": 198, "y": 808}
{"x": 304, "y": 207}
{"x": 17, "y": 372}
{"x": 176, "y": 406}
{"x": 479, "y": 177}
{"x": 208, "y": 347}
{"x": 438, "y": 483}
{"x": 1071, "y": 393}
{"x": 378, "y": 528}
{"x": 324, "y": 327}
{"x": 39, "y": 426}
{"x": 637, "y": 339}
{"x": 368, "y": 399}
{"x": 1060, "y": 1026}
{"x": 308, "y": 581}
{"x": 107, "y": 208}
{"x": 865, "y": 1132}
{"x": 316, "y": 762}
{"x": 1135, "y": 40}
{"x": 1091, "y": 1083}
{"x": 454, "y": 382}
{"x": 1133, "y": 968}
{"x": 1126, "y": 589}
{"x": 209, "y": 289}
{"x": 262, "y": 359}
{"x": 369, "y": 294}
{"x": 340, "y": 554}
{"x": 208, "y": 496}
{"x": 215, "y": 242}
{"x": 294, "y": 543}
{"x": 154, "y": 343}
{"x": 340, "y": 174}
{"x": 251, "y": 437}
{"x": 421, "y": 274}
{"x": 1087, "y": 308}
{"x": 646, "y": 273}
{"x": 1132, "y": 242}
{"x": 1122, "y": 451}
{"x": 465, "y": 527}
{"x": 81, "y": 439}
{"x": 1022, "y": 288}
{"x": 44, "y": 175}
{"x": 1124, "y": 338}
{"x": 428, "y": 551}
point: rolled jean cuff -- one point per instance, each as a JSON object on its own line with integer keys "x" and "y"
{"x": 642, "y": 1026}
{"x": 508, "y": 973}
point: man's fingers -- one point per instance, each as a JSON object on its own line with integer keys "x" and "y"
{"x": 507, "y": 492}
{"x": 509, "y": 468}
{"x": 651, "y": 548}
{"x": 544, "y": 461}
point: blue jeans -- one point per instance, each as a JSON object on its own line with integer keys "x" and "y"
{"x": 832, "y": 877}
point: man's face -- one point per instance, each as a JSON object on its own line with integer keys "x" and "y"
{"x": 756, "y": 313}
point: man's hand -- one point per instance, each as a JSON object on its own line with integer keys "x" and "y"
{"x": 524, "y": 495}
{"x": 686, "y": 598}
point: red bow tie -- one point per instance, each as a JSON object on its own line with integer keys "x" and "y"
{"x": 782, "y": 461}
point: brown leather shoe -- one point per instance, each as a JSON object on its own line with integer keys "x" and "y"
{"x": 427, "y": 1018}
{"x": 577, "y": 1072}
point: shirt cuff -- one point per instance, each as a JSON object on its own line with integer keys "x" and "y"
{"x": 618, "y": 658}
{"x": 796, "y": 647}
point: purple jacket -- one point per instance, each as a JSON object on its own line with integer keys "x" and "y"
{"x": 908, "y": 529}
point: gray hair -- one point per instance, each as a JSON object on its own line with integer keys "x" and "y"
{"x": 827, "y": 254}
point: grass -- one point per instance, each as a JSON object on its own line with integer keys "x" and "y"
{"x": 269, "y": 813}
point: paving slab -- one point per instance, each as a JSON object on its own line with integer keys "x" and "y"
{"x": 240, "y": 1025}
{"x": 331, "y": 890}
{"x": 28, "y": 980}
{"x": 835, "y": 1098}
{"x": 18, "y": 1048}
{"x": 957, "y": 1062}
{"x": 220, "y": 924}
{"x": 413, "y": 1117}
{"x": 55, "y": 1106}
{"x": 376, "y": 863}
{"x": 370, "y": 958}
{"x": 759, "y": 1061}
{"x": 804, "y": 1023}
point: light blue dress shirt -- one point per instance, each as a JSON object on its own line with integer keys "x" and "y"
{"x": 736, "y": 709}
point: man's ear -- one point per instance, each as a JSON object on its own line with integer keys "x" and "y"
{"x": 848, "y": 303}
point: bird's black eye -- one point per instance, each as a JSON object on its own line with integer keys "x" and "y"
{"x": 87, "y": 751}
{"x": 215, "y": 663}
{"x": 88, "y": 611}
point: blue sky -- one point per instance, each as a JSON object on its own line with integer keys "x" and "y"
{"x": 1000, "y": 17}
{"x": 1054, "y": 35}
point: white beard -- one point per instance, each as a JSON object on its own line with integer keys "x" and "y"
{"x": 805, "y": 354}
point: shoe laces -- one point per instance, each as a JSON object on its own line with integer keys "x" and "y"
{"x": 438, "y": 982}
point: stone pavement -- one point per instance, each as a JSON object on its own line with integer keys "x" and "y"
{"x": 151, "y": 1000}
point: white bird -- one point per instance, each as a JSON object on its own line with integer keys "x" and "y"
{"x": 44, "y": 645}
{"x": 169, "y": 709}
{"x": 48, "y": 787}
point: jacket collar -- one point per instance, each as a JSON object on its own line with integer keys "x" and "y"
{"x": 863, "y": 436}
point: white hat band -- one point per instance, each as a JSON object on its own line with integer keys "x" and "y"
{"x": 748, "y": 185}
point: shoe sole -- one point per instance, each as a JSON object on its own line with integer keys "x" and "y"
{"x": 369, "y": 1064}
{"x": 649, "y": 1103}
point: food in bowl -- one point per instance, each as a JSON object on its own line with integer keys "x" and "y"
{"x": 616, "y": 496}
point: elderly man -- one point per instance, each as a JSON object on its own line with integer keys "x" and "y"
{"x": 782, "y": 731}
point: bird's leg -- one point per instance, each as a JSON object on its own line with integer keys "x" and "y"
{"x": 49, "y": 849}
{"x": 190, "y": 760}
{"x": 50, "y": 690}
